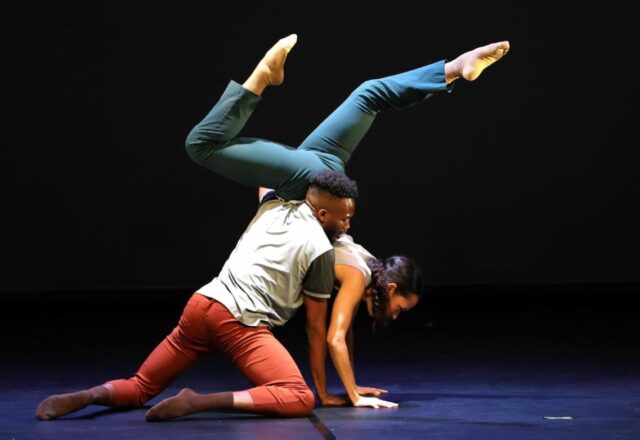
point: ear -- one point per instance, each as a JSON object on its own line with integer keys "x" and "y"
{"x": 322, "y": 215}
{"x": 391, "y": 288}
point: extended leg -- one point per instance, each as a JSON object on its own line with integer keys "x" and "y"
{"x": 214, "y": 143}
{"x": 169, "y": 359}
{"x": 337, "y": 137}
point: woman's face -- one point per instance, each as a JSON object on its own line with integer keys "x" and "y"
{"x": 399, "y": 303}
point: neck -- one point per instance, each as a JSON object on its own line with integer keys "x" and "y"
{"x": 314, "y": 210}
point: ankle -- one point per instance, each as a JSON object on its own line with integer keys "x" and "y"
{"x": 452, "y": 70}
{"x": 257, "y": 82}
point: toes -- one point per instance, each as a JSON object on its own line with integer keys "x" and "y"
{"x": 289, "y": 42}
{"x": 151, "y": 415}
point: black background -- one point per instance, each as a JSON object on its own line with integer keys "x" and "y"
{"x": 528, "y": 175}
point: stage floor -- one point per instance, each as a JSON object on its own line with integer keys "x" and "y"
{"x": 483, "y": 368}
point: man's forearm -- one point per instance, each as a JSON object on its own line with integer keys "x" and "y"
{"x": 317, "y": 358}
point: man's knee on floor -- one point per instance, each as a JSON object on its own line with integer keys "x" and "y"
{"x": 304, "y": 406}
{"x": 308, "y": 401}
{"x": 298, "y": 402}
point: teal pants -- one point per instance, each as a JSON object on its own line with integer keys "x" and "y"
{"x": 214, "y": 143}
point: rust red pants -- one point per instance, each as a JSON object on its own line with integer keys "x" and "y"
{"x": 207, "y": 326}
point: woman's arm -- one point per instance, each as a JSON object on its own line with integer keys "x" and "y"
{"x": 350, "y": 341}
{"x": 352, "y": 284}
{"x": 363, "y": 391}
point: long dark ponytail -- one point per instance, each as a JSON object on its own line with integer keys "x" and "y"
{"x": 396, "y": 269}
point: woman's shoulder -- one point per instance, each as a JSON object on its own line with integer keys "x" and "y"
{"x": 346, "y": 242}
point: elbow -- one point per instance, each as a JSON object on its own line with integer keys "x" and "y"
{"x": 335, "y": 341}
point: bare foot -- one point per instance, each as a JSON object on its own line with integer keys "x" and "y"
{"x": 173, "y": 407}
{"x": 470, "y": 64}
{"x": 270, "y": 69}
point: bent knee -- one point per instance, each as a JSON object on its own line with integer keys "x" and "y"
{"x": 196, "y": 151}
{"x": 370, "y": 88}
{"x": 308, "y": 402}
{"x": 304, "y": 406}
{"x": 129, "y": 393}
{"x": 201, "y": 149}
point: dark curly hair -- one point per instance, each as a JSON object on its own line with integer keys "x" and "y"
{"x": 336, "y": 183}
{"x": 397, "y": 269}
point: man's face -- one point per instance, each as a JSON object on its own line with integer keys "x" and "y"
{"x": 336, "y": 219}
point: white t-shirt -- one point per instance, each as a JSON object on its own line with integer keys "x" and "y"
{"x": 283, "y": 253}
{"x": 351, "y": 253}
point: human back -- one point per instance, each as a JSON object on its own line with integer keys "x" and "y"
{"x": 261, "y": 282}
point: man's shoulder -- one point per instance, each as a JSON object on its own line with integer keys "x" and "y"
{"x": 295, "y": 219}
